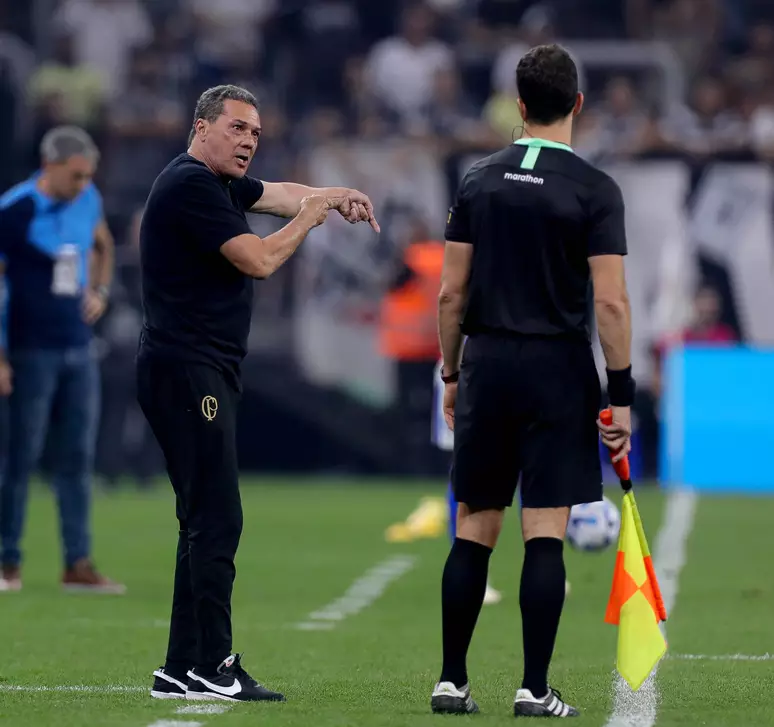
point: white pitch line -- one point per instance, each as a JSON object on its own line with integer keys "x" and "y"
{"x": 75, "y": 688}
{"x": 721, "y": 657}
{"x": 175, "y": 723}
{"x": 639, "y": 709}
{"x": 361, "y": 594}
{"x": 204, "y": 709}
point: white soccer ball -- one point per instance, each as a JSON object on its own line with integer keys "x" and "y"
{"x": 594, "y": 526}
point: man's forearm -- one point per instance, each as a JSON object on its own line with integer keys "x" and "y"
{"x": 450, "y": 307}
{"x": 102, "y": 269}
{"x": 103, "y": 258}
{"x": 615, "y": 333}
{"x": 279, "y": 246}
{"x": 296, "y": 192}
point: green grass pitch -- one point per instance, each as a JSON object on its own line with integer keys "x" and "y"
{"x": 304, "y": 544}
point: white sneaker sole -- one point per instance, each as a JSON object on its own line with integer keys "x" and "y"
{"x": 208, "y": 697}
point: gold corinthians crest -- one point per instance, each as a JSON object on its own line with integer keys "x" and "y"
{"x": 209, "y": 407}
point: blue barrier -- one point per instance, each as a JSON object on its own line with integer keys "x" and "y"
{"x": 717, "y": 423}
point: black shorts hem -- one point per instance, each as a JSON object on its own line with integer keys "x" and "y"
{"x": 476, "y": 503}
{"x": 576, "y": 496}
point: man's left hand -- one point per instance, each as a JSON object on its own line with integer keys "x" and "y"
{"x": 94, "y": 305}
{"x": 357, "y": 207}
{"x": 449, "y": 399}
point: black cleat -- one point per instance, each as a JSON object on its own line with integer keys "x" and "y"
{"x": 447, "y": 699}
{"x": 165, "y": 686}
{"x": 231, "y": 684}
{"x": 525, "y": 705}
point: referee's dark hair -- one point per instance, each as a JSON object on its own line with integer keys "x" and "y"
{"x": 210, "y": 104}
{"x": 547, "y": 81}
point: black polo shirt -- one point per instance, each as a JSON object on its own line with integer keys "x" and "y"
{"x": 197, "y": 306}
{"x": 534, "y": 213}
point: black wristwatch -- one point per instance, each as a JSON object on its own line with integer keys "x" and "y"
{"x": 451, "y": 378}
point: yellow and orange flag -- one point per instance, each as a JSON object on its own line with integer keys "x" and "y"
{"x": 635, "y": 603}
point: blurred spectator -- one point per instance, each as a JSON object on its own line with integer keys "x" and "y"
{"x": 708, "y": 126}
{"x": 755, "y": 69}
{"x": 147, "y": 128}
{"x": 75, "y": 88}
{"x": 228, "y": 35}
{"x": 706, "y": 327}
{"x": 402, "y": 68}
{"x": 332, "y": 35}
{"x": 103, "y": 34}
{"x": 691, "y": 28}
{"x": 500, "y": 15}
{"x": 17, "y": 18}
{"x": 367, "y": 115}
{"x": 450, "y": 118}
{"x": 762, "y": 126}
{"x": 619, "y": 128}
{"x": 173, "y": 42}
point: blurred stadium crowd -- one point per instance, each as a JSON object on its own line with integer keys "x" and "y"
{"x": 663, "y": 78}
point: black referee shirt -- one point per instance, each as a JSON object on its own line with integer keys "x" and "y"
{"x": 197, "y": 306}
{"x": 534, "y": 213}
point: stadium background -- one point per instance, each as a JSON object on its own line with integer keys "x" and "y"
{"x": 335, "y": 434}
{"x": 680, "y": 110}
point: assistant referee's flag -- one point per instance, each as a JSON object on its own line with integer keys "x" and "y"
{"x": 635, "y": 603}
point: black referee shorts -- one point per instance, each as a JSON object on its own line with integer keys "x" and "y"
{"x": 527, "y": 407}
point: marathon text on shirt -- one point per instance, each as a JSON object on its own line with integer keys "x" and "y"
{"x": 523, "y": 178}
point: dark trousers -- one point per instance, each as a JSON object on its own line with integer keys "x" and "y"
{"x": 57, "y": 388}
{"x": 192, "y": 411}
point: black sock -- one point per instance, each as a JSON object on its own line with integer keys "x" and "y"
{"x": 463, "y": 588}
{"x": 541, "y": 598}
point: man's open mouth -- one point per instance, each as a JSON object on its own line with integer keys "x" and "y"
{"x": 243, "y": 158}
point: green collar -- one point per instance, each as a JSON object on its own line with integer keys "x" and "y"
{"x": 534, "y": 143}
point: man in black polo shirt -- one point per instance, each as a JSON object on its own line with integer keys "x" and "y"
{"x": 198, "y": 260}
{"x": 531, "y": 228}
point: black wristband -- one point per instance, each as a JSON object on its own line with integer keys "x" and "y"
{"x": 621, "y": 387}
{"x": 451, "y": 378}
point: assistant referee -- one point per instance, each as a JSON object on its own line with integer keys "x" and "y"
{"x": 198, "y": 260}
{"x": 531, "y": 228}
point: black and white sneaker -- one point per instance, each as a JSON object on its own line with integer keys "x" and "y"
{"x": 447, "y": 699}
{"x": 231, "y": 684}
{"x": 165, "y": 686}
{"x": 526, "y": 705}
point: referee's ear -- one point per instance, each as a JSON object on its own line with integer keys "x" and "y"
{"x": 579, "y": 99}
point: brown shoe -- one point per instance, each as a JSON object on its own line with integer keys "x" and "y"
{"x": 83, "y": 577}
{"x": 10, "y": 578}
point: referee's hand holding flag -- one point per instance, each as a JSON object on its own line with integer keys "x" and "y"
{"x": 615, "y": 428}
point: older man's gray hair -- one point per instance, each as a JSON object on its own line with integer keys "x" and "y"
{"x": 64, "y": 142}
{"x": 210, "y": 104}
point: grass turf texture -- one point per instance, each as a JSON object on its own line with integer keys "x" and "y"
{"x": 304, "y": 544}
